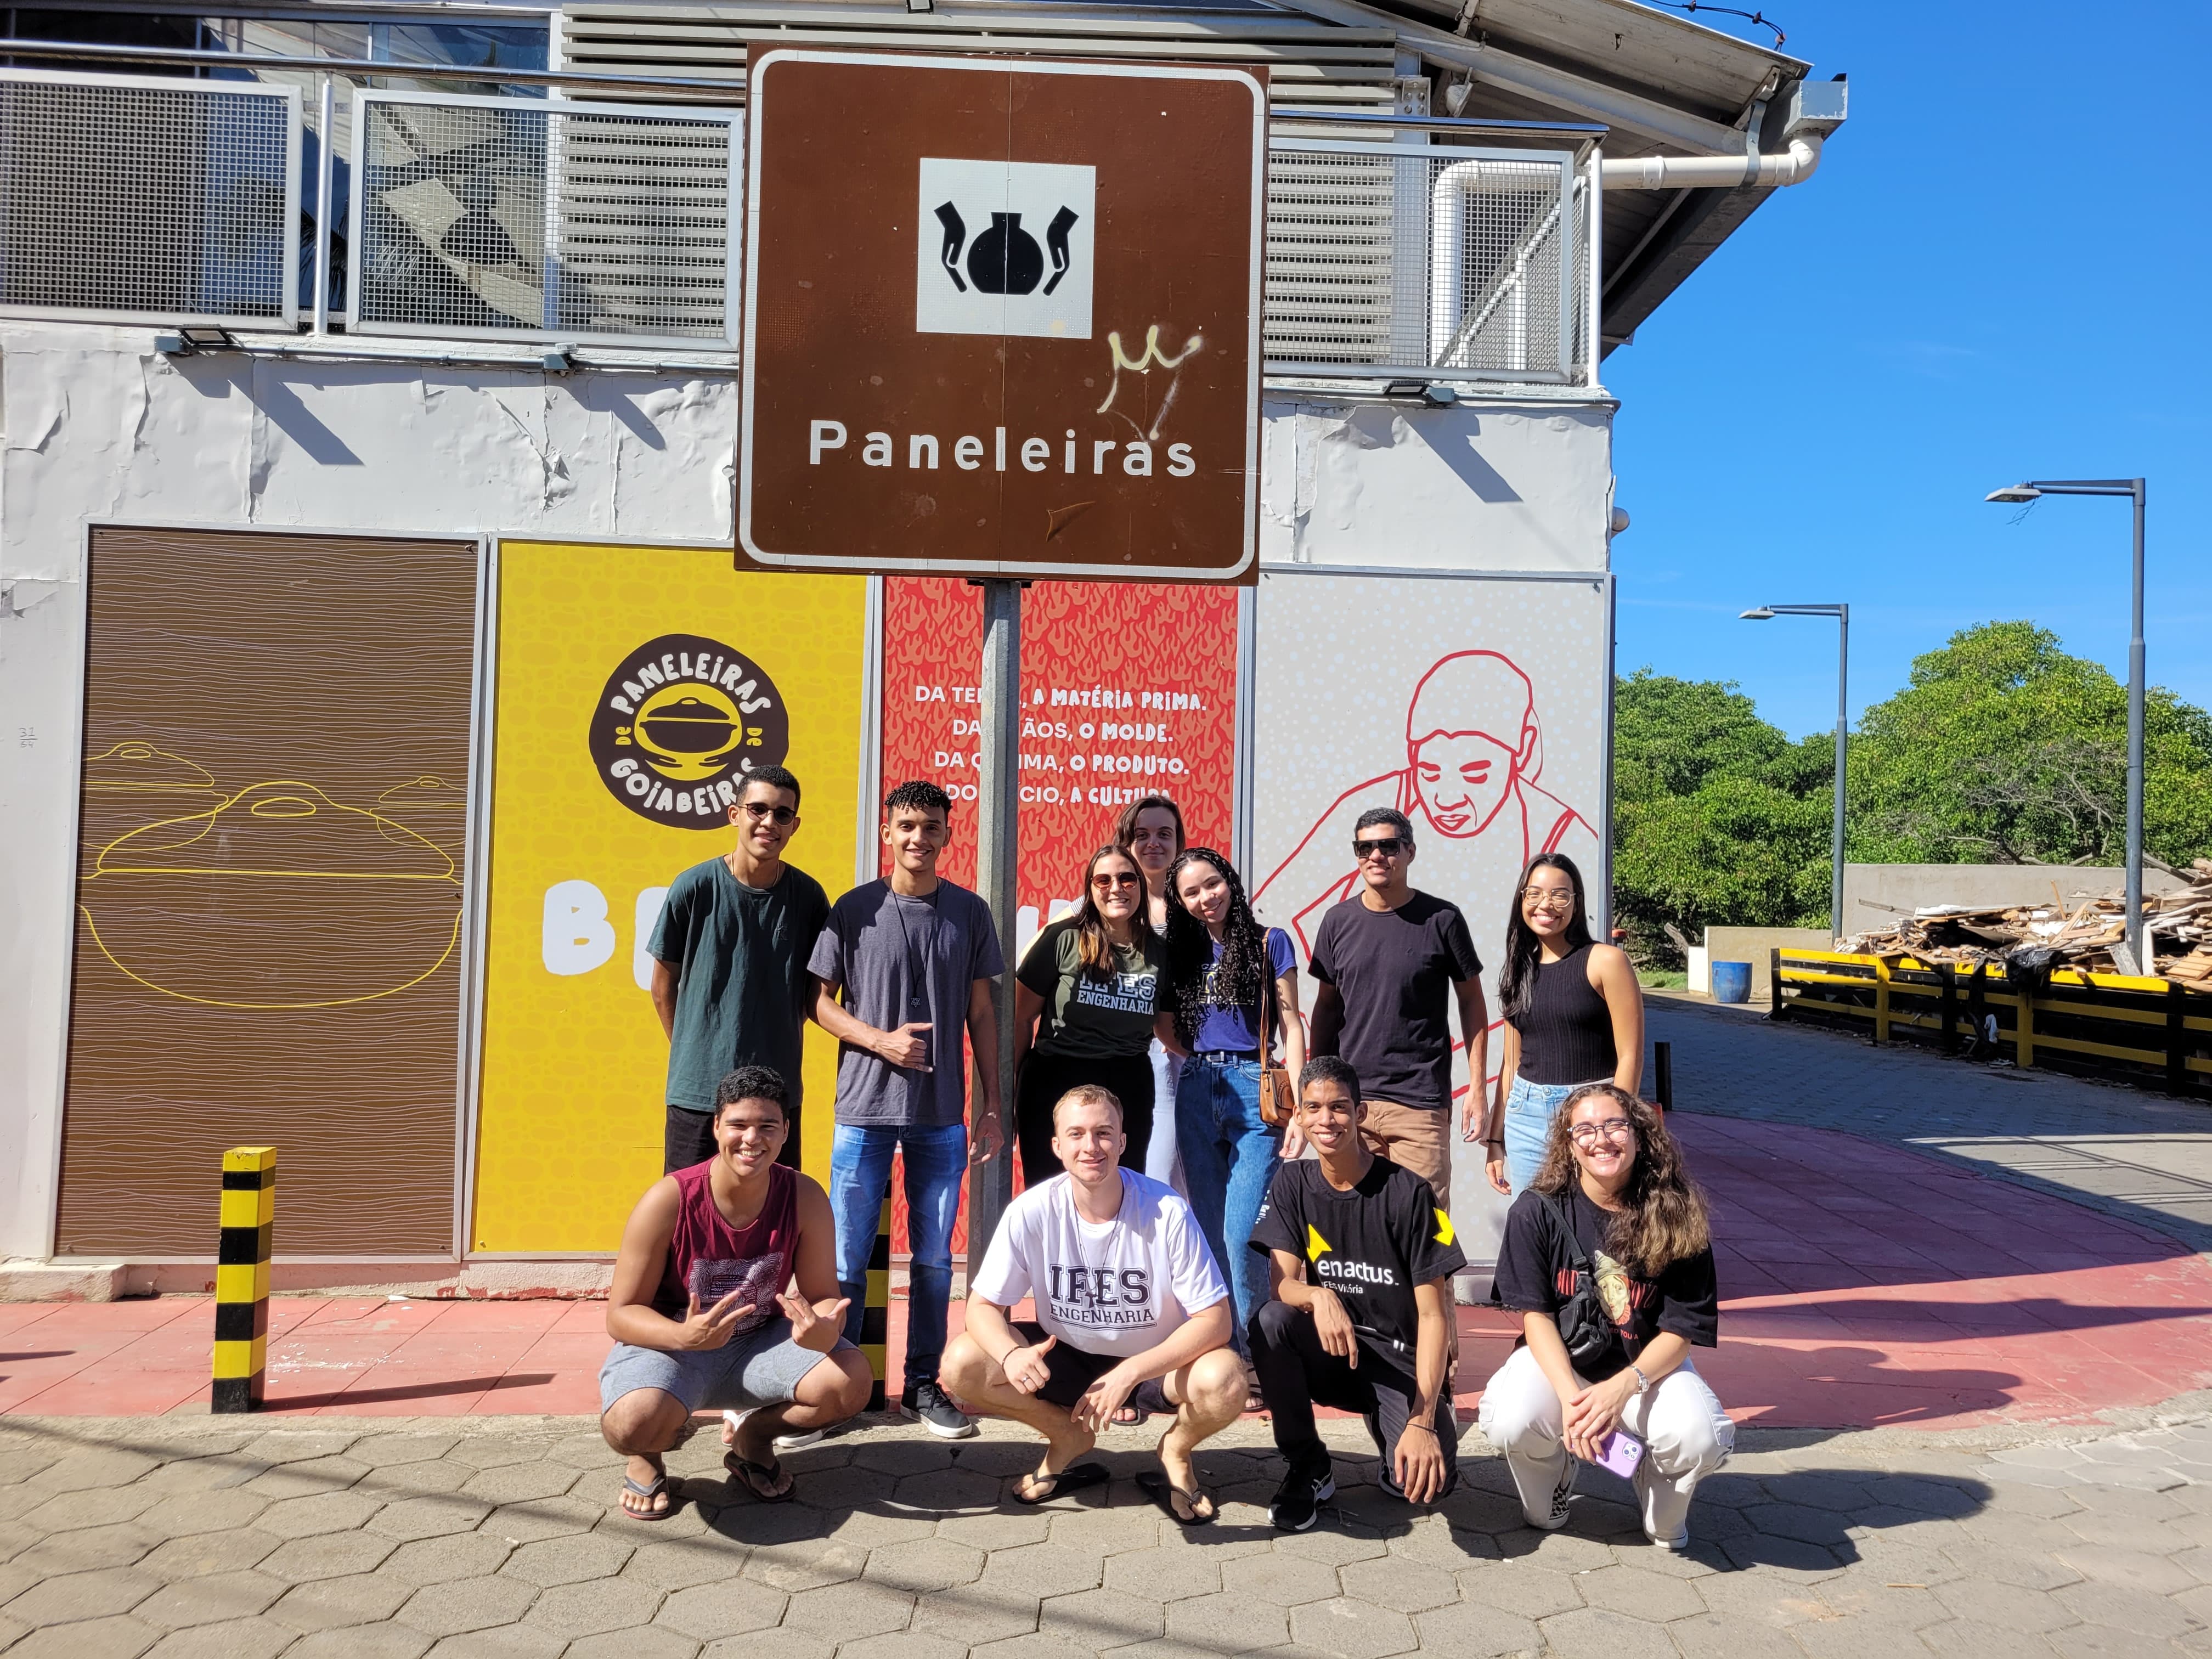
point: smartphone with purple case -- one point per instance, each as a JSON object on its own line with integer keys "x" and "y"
{"x": 1621, "y": 1452}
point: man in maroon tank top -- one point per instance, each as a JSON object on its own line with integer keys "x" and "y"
{"x": 725, "y": 1297}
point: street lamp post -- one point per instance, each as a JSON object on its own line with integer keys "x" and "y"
{"x": 1841, "y": 613}
{"x": 2138, "y": 934}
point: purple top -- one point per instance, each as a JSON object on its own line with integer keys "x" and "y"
{"x": 1224, "y": 1029}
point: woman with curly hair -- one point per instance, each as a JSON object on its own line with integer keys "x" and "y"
{"x": 1231, "y": 984}
{"x": 1608, "y": 1259}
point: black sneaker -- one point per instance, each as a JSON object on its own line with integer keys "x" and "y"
{"x": 1298, "y": 1501}
{"x": 1557, "y": 1517}
{"x": 937, "y": 1411}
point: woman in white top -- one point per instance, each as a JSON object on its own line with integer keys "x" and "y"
{"x": 1149, "y": 829}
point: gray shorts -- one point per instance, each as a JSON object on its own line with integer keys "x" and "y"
{"x": 761, "y": 1368}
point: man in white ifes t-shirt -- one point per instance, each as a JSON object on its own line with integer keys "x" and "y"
{"x": 1131, "y": 1310}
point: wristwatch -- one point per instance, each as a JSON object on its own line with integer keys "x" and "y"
{"x": 1642, "y": 1381}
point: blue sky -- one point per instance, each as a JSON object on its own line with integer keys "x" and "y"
{"x": 1991, "y": 278}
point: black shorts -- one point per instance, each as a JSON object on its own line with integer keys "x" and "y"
{"x": 1073, "y": 1370}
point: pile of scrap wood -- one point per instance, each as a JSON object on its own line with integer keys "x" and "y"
{"x": 2076, "y": 931}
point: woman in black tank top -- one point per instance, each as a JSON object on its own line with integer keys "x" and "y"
{"x": 1573, "y": 1014}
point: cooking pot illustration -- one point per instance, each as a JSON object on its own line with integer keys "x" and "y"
{"x": 429, "y": 807}
{"x": 132, "y": 783}
{"x": 688, "y": 730}
{"x": 278, "y": 898}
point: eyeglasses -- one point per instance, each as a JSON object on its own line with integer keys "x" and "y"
{"x": 1548, "y": 898}
{"x": 1107, "y": 884}
{"x": 758, "y": 810}
{"x": 1387, "y": 847}
{"x": 1585, "y": 1135}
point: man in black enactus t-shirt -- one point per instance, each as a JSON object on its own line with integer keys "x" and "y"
{"x": 1388, "y": 962}
{"x": 1360, "y": 1257}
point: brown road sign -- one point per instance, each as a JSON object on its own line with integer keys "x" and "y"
{"x": 1001, "y": 317}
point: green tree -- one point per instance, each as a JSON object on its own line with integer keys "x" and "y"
{"x": 1718, "y": 817}
{"x": 2005, "y": 749}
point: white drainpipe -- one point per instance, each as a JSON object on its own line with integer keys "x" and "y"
{"x": 1792, "y": 166}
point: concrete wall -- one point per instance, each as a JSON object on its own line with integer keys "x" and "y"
{"x": 96, "y": 426}
{"x": 1490, "y": 487}
{"x": 1877, "y": 895}
{"x": 1755, "y": 945}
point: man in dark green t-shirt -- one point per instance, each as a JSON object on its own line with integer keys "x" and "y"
{"x": 729, "y": 967}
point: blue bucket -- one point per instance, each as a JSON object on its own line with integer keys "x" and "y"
{"x": 1731, "y": 981}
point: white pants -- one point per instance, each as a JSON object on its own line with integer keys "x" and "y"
{"x": 1164, "y": 1158}
{"x": 1686, "y": 1435}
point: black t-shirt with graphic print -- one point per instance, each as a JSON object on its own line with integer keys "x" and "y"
{"x": 1536, "y": 1274}
{"x": 1371, "y": 1245}
{"x": 1089, "y": 1016}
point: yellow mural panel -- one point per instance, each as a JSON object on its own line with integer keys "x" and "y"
{"x": 634, "y": 684}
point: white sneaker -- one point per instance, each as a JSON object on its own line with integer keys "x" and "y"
{"x": 732, "y": 1420}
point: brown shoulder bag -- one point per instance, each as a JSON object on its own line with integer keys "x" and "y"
{"x": 1279, "y": 1096}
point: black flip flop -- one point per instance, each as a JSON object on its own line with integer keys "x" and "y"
{"x": 1163, "y": 1491}
{"x": 754, "y": 1476}
{"x": 1074, "y": 1478}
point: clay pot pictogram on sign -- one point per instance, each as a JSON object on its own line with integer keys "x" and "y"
{"x": 1006, "y": 258}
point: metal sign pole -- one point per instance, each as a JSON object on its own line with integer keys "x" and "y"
{"x": 991, "y": 1186}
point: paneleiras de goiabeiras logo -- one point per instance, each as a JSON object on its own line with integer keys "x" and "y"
{"x": 680, "y": 724}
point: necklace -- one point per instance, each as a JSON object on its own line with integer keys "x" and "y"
{"x": 917, "y": 967}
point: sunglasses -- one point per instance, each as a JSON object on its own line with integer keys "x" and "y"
{"x": 758, "y": 810}
{"x": 1388, "y": 847}
{"x": 1107, "y": 884}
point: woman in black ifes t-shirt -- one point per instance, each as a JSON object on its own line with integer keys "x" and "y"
{"x": 1608, "y": 1259}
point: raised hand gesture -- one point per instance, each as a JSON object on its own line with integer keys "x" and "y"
{"x": 712, "y": 1328}
{"x": 813, "y": 1328}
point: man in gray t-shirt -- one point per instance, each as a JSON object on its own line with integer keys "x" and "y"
{"x": 903, "y": 973}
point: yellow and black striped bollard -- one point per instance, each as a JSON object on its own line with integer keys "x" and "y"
{"x": 241, "y": 1278}
{"x": 876, "y": 1312}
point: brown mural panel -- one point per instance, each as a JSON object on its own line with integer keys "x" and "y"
{"x": 270, "y": 889}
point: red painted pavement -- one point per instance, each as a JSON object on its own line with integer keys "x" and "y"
{"x": 1863, "y": 1284}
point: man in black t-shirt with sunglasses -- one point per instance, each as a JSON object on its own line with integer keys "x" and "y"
{"x": 1388, "y": 963}
{"x": 1360, "y": 1263}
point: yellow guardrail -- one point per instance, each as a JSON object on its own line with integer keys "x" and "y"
{"x": 1895, "y": 993}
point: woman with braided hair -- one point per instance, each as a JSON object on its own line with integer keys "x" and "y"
{"x": 1231, "y": 984}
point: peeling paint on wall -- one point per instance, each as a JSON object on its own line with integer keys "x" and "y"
{"x": 98, "y": 425}
{"x": 1468, "y": 487}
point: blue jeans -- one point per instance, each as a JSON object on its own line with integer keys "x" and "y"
{"x": 1529, "y": 1109}
{"x": 859, "y": 1178}
{"x": 1228, "y": 1157}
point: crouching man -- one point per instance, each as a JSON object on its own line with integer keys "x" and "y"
{"x": 1360, "y": 1260}
{"x": 1131, "y": 1309}
{"x": 703, "y": 1311}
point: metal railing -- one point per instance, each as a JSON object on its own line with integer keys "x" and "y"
{"x": 144, "y": 199}
{"x": 1396, "y": 246}
{"x": 594, "y": 223}
{"x": 1429, "y": 256}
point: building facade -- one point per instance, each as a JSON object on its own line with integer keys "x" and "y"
{"x": 369, "y": 396}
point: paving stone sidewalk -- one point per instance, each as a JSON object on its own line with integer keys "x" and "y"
{"x": 389, "y": 1540}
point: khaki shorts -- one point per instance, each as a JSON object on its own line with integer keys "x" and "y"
{"x": 1414, "y": 1137}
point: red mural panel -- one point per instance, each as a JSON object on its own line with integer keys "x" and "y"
{"x": 1127, "y": 690}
